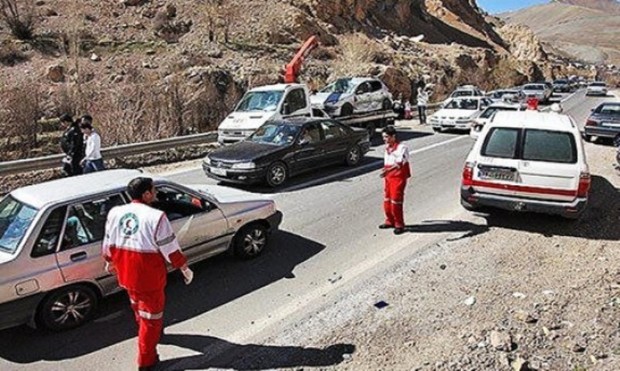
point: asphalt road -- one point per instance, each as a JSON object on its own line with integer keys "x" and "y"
{"x": 329, "y": 238}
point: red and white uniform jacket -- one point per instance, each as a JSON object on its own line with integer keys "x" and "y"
{"x": 397, "y": 154}
{"x": 139, "y": 240}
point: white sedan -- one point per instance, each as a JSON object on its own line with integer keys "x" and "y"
{"x": 458, "y": 113}
{"x": 348, "y": 96}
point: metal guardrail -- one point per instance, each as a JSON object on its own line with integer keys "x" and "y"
{"x": 54, "y": 161}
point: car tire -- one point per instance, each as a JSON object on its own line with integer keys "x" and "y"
{"x": 437, "y": 130}
{"x": 277, "y": 173}
{"x": 67, "y": 308}
{"x": 250, "y": 241}
{"x": 346, "y": 110}
{"x": 354, "y": 156}
{"x": 387, "y": 104}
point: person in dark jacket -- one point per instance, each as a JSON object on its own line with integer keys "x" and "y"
{"x": 72, "y": 144}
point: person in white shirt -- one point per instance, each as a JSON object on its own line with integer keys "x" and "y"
{"x": 92, "y": 155}
{"x": 423, "y": 96}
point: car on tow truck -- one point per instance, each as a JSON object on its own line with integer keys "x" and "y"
{"x": 53, "y": 275}
{"x": 528, "y": 161}
{"x": 352, "y": 95}
{"x": 281, "y": 149}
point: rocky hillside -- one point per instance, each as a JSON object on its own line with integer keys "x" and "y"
{"x": 584, "y": 30}
{"x": 147, "y": 69}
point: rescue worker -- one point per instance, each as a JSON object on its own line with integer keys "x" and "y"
{"x": 532, "y": 103}
{"x": 395, "y": 171}
{"x": 138, "y": 242}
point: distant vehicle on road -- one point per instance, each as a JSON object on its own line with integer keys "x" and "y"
{"x": 489, "y": 113}
{"x": 458, "y": 113}
{"x": 561, "y": 86}
{"x": 465, "y": 91}
{"x": 348, "y": 96}
{"x": 528, "y": 161}
{"x": 597, "y": 88}
{"x": 52, "y": 271}
{"x": 538, "y": 90}
{"x": 506, "y": 95}
{"x": 604, "y": 122}
{"x": 281, "y": 149}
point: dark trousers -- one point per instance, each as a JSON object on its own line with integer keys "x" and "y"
{"x": 73, "y": 167}
{"x": 422, "y": 114}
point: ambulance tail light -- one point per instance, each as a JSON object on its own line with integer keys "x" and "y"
{"x": 468, "y": 174}
{"x": 584, "y": 185}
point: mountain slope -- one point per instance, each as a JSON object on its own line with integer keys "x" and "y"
{"x": 586, "y": 30}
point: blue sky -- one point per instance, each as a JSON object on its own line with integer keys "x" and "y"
{"x": 498, "y": 6}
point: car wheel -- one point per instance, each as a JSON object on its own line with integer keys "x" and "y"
{"x": 387, "y": 104}
{"x": 437, "y": 130}
{"x": 354, "y": 156}
{"x": 346, "y": 110}
{"x": 67, "y": 308}
{"x": 276, "y": 174}
{"x": 250, "y": 241}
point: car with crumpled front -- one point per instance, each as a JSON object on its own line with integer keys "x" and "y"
{"x": 353, "y": 95}
{"x": 51, "y": 269}
{"x": 604, "y": 122}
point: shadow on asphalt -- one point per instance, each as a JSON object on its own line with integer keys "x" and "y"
{"x": 217, "y": 281}
{"x": 217, "y": 353}
{"x": 600, "y": 221}
{"x": 440, "y": 226}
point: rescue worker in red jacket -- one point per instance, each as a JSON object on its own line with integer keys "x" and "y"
{"x": 138, "y": 243}
{"x": 395, "y": 171}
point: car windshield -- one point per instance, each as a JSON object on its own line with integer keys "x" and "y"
{"x": 278, "y": 134}
{"x": 609, "y": 109}
{"x": 534, "y": 87}
{"x": 599, "y": 84}
{"x": 339, "y": 86}
{"x": 462, "y": 93}
{"x": 560, "y": 82}
{"x": 466, "y": 104}
{"x": 15, "y": 219}
{"x": 491, "y": 111}
{"x": 260, "y": 101}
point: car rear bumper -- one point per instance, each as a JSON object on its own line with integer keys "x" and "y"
{"x": 596, "y": 92}
{"x": 601, "y": 131}
{"x": 451, "y": 126}
{"x": 237, "y": 176}
{"x": 19, "y": 312}
{"x": 472, "y": 200}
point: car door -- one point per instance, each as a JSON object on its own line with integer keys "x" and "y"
{"x": 337, "y": 141}
{"x": 376, "y": 96}
{"x": 79, "y": 256}
{"x": 309, "y": 150}
{"x": 200, "y": 227}
{"x": 296, "y": 104}
{"x": 362, "y": 98}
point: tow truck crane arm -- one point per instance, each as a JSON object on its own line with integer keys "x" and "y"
{"x": 293, "y": 68}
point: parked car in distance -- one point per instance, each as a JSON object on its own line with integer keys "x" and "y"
{"x": 506, "y": 95}
{"x": 604, "y": 122}
{"x": 465, "y": 91}
{"x": 489, "y": 113}
{"x": 352, "y": 95}
{"x": 281, "y": 149}
{"x": 458, "y": 113}
{"x": 561, "y": 86}
{"x": 52, "y": 271}
{"x": 597, "y": 88}
{"x": 538, "y": 90}
{"x": 528, "y": 161}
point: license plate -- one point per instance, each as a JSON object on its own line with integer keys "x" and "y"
{"x": 217, "y": 171}
{"x": 448, "y": 123}
{"x": 504, "y": 175}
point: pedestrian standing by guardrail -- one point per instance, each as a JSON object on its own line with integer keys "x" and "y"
{"x": 423, "y": 96}
{"x": 92, "y": 155}
{"x": 72, "y": 144}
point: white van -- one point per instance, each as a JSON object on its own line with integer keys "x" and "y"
{"x": 528, "y": 161}
{"x": 261, "y": 104}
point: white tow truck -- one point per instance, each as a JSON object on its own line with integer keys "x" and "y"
{"x": 280, "y": 101}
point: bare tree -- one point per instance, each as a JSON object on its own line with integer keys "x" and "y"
{"x": 20, "y": 20}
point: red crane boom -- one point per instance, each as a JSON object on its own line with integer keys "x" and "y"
{"x": 293, "y": 68}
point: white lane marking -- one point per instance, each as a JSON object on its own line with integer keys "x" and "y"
{"x": 569, "y": 97}
{"x": 363, "y": 167}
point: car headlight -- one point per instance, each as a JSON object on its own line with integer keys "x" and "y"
{"x": 244, "y": 166}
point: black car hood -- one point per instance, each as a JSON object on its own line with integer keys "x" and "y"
{"x": 244, "y": 151}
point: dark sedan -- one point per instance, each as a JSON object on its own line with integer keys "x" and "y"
{"x": 282, "y": 149}
{"x": 604, "y": 122}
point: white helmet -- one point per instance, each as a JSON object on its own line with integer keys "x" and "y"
{"x": 557, "y": 108}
